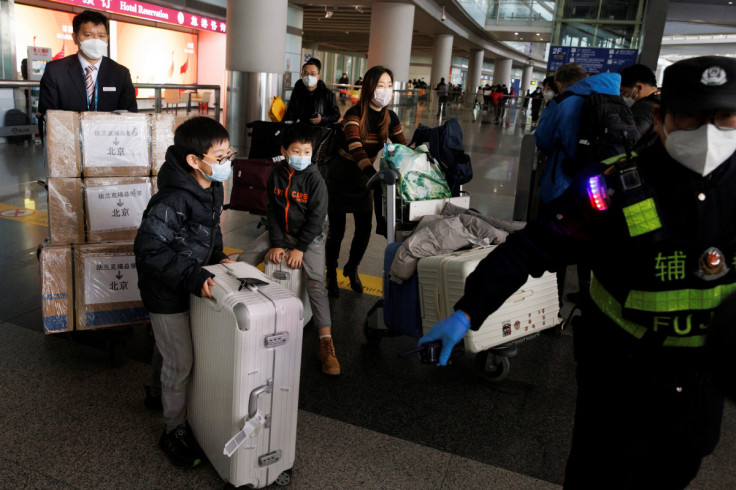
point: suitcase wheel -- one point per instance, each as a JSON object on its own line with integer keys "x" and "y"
{"x": 493, "y": 367}
{"x": 283, "y": 479}
{"x": 372, "y": 335}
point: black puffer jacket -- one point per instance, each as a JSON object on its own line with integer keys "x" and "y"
{"x": 180, "y": 233}
{"x": 304, "y": 103}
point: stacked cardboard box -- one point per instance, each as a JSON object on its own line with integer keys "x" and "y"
{"x": 101, "y": 169}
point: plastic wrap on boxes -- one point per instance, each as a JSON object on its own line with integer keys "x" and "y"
{"x": 114, "y": 206}
{"x": 62, "y": 143}
{"x": 57, "y": 298}
{"x": 115, "y": 145}
{"x": 162, "y": 136}
{"x": 66, "y": 211}
{"x": 96, "y": 209}
{"x": 106, "y": 286}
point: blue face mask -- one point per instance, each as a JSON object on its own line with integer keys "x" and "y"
{"x": 220, "y": 171}
{"x": 299, "y": 162}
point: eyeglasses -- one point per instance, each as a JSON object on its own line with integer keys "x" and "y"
{"x": 689, "y": 121}
{"x": 232, "y": 153}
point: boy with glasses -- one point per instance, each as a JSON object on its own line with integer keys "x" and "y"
{"x": 179, "y": 234}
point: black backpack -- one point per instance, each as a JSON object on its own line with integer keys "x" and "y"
{"x": 446, "y": 145}
{"x": 607, "y": 128}
{"x": 15, "y": 117}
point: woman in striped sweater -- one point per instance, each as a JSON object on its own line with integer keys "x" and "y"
{"x": 367, "y": 126}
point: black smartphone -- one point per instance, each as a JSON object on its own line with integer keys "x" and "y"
{"x": 429, "y": 353}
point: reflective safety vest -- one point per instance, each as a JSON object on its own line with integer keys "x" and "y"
{"x": 676, "y": 311}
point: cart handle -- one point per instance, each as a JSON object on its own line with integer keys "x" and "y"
{"x": 388, "y": 176}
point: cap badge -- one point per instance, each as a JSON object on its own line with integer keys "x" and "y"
{"x": 713, "y": 76}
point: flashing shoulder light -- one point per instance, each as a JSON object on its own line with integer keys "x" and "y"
{"x": 597, "y": 193}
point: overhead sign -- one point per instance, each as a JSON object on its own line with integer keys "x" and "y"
{"x": 593, "y": 60}
{"x": 147, "y": 11}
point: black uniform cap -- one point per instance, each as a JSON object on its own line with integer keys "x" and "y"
{"x": 704, "y": 83}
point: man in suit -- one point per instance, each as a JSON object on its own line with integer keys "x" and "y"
{"x": 88, "y": 80}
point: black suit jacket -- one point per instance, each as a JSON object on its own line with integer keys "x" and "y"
{"x": 63, "y": 87}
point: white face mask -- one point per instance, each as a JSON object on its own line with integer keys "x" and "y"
{"x": 701, "y": 150}
{"x": 548, "y": 94}
{"x": 630, "y": 100}
{"x": 93, "y": 48}
{"x": 382, "y": 97}
{"x": 309, "y": 81}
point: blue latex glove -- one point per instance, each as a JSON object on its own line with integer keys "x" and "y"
{"x": 449, "y": 331}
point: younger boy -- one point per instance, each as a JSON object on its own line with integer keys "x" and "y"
{"x": 180, "y": 233}
{"x": 297, "y": 207}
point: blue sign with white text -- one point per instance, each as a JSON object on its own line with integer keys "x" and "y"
{"x": 593, "y": 60}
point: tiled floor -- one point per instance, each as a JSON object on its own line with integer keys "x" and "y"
{"x": 68, "y": 419}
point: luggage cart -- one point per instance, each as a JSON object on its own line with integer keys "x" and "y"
{"x": 492, "y": 358}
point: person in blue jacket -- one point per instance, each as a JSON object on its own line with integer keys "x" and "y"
{"x": 557, "y": 132}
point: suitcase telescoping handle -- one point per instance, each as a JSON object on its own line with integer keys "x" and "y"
{"x": 253, "y": 400}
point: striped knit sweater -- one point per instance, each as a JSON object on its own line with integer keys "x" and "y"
{"x": 368, "y": 148}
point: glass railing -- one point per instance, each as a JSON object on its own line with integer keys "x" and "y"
{"x": 501, "y": 11}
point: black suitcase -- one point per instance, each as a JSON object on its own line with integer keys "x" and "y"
{"x": 265, "y": 141}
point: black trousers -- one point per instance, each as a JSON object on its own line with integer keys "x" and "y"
{"x": 363, "y": 224}
{"x": 642, "y": 420}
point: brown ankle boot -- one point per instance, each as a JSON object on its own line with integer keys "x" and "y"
{"x": 326, "y": 355}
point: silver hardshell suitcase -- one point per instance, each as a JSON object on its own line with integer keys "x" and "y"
{"x": 294, "y": 280}
{"x": 531, "y": 309}
{"x": 244, "y": 394}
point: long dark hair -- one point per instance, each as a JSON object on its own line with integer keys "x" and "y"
{"x": 370, "y": 81}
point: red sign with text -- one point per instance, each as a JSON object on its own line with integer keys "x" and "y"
{"x": 148, "y": 11}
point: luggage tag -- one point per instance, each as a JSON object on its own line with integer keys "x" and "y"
{"x": 249, "y": 430}
{"x": 250, "y": 283}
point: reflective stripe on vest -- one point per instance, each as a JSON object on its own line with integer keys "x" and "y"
{"x": 678, "y": 300}
{"x": 659, "y": 302}
{"x": 642, "y": 217}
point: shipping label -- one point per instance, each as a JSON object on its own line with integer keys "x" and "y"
{"x": 110, "y": 280}
{"x": 117, "y": 207}
{"x": 119, "y": 144}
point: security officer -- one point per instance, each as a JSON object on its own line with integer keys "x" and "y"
{"x": 660, "y": 233}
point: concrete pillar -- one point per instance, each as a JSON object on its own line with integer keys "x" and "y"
{"x": 475, "y": 65}
{"x": 502, "y": 71}
{"x": 392, "y": 25}
{"x": 654, "y": 21}
{"x": 254, "y": 75}
{"x": 526, "y": 79}
{"x": 8, "y": 69}
{"x": 441, "y": 59}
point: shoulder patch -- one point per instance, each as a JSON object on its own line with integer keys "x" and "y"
{"x": 618, "y": 158}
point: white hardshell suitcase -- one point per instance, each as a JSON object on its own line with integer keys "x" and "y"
{"x": 295, "y": 280}
{"x": 245, "y": 380}
{"x": 529, "y": 310}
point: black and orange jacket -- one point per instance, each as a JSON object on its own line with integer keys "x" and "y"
{"x": 297, "y": 205}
